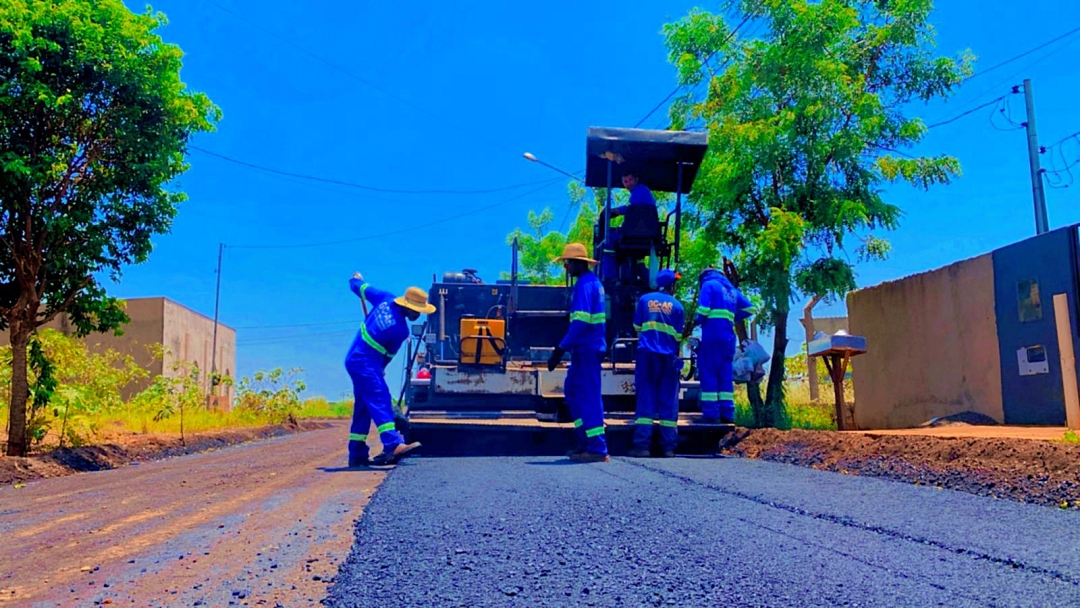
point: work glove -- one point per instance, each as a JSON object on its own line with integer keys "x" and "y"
{"x": 356, "y": 275}
{"x": 556, "y": 358}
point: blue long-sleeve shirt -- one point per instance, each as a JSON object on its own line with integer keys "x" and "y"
{"x": 382, "y": 332}
{"x": 587, "y": 318}
{"x": 720, "y": 306}
{"x": 659, "y": 319}
{"x": 640, "y": 195}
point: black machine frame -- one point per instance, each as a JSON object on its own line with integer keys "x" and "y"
{"x": 537, "y": 316}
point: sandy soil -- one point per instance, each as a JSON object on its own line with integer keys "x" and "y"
{"x": 124, "y": 449}
{"x": 263, "y": 523}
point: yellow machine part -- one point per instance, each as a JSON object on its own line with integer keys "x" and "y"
{"x": 482, "y": 341}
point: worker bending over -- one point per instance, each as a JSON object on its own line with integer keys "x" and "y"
{"x": 659, "y": 319}
{"x": 379, "y": 339}
{"x": 720, "y": 306}
{"x": 586, "y": 341}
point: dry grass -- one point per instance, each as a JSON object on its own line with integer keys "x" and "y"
{"x": 802, "y": 413}
{"x": 319, "y": 407}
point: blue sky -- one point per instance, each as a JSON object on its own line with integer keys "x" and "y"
{"x": 455, "y": 92}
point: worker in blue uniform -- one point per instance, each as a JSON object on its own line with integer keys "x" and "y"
{"x": 720, "y": 306}
{"x": 381, "y": 335}
{"x": 639, "y": 195}
{"x": 639, "y": 192}
{"x": 586, "y": 342}
{"x": 659, "y": 320}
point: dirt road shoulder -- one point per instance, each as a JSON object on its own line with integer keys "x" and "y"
{"x": 263, "y": 523}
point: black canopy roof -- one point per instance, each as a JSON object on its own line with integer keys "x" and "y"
{"x": 655, "y": 155}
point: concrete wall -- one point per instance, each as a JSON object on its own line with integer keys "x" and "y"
{"x": 829, "y": 325}
{"x": 184, "y": 332}
{"x": 138, "y": 340}
{"x": 190, "y": 336}
{"x": 932, "y": 347}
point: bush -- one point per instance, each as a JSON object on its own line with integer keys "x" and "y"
{"x": 319, "y": 407}
{"x": 71, "y": 387}
{"x": 274, "y": 394}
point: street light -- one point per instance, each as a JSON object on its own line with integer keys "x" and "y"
{"x": 531, "y": 157}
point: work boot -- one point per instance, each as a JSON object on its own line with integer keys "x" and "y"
{"x": 399, "y": 452}
{"x": 590, "y": 457}
{"x": 639, "y": 453}
{"x": 576, "y": 450}
{"x": 358, "y": 461}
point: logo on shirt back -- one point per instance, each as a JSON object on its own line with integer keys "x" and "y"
{"x": 656, "y": 306}
{"x": 383, "y": 317}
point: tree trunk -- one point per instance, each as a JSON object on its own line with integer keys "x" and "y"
{"x": 774, "y": 392}
{"x": 20, "y": 389}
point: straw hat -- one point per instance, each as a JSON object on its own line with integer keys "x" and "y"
{"x": 575, "y": 251}
{"x": 415, "y": 299}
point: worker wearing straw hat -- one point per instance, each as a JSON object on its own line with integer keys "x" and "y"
{"x": 381, "y": 335}
{"x": 586, "y": 341}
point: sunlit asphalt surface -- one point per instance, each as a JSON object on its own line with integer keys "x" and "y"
{"x": 481, "y": 532}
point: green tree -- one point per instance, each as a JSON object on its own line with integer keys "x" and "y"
{"x": 541, "y": 244}
{"x": 804, "y": 126}
{"x": 94, "y": 124}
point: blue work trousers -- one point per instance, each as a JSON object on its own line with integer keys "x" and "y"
{"x": 583, "y": 396}
{"x": 371, "y": 401}
{"x": 656, "y": 381}
{"x": 717, "y": 385}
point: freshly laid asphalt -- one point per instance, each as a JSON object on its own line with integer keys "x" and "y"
{"x": 486, "y": 532}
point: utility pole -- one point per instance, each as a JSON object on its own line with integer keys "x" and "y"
{"x": 217, "y": 303}
{"x": 1042, "y": 224}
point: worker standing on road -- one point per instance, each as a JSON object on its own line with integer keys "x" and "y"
{"x": 378, "y": 340}
{"x": 659, "y": 320}
{"x": 720, "y": 306}
{"x": 586, "y": 341}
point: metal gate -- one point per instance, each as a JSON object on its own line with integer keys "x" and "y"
{"x": 1026, "y": 277}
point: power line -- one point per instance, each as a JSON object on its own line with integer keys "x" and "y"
{"x": 297, "y": 337}
{"x": 1005, "y": 109}
{"x": 1063, "y": 140}
{"x": 402, "y": 230}
{"x": 969, "y": 112}
{"x": 678, "y": 88}
{"x": 1054, "y": 177}
{"x": 355, "y": 185}
{"x": 1022, "y": 55}
{"x": 291, "y": 325}
{"x": 1021, "y": 70}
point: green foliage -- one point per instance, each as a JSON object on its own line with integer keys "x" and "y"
{"x": 94, "y": 125}
{"x": 799, "y": 412}
{"x": 274, "y": 394}
{"x": 1070, "y": 437}
{"x": 540, "y": 245}
{"x": 802, "y": 122}
{"x": 41, "y": 391}
{"x": 318, "y": 407}
{"x": 78, "y": 395}
{"x": 71, "y": 388}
